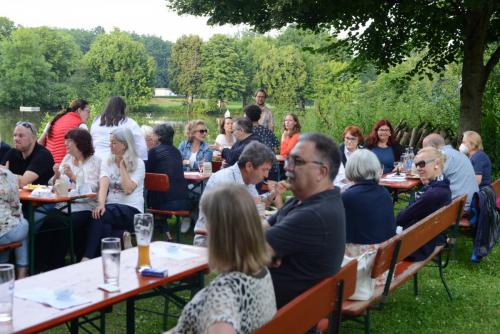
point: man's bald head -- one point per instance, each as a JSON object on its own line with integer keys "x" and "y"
{"x": 434, "y": 140}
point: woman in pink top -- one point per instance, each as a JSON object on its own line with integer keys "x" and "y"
{"x": 290, "y": 136}
{"x": 74, "y": 116}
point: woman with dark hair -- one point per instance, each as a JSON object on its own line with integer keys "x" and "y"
{"x": 382, "y": 142}
{"x": 76, "y": 115}
{"x": 112, "y": 118}
{"x": 79, "y": 168}
{"x": 290, "y": 136}
{"x": 165, "y": 158}
{"x": 353, "y": 139}
{"x": 225, "y": 138}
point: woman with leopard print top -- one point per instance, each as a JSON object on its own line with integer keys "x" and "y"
{"x": 241, "y": 298}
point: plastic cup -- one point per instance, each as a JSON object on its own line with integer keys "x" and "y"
{"x": 7, "y": 280}
{"x": 110, "y": 252}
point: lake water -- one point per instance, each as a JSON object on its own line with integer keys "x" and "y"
{"x": 9, "y": 118}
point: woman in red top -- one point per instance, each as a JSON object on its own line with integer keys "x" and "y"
{"x": 76, "y": 115}
{"x": 290, "y": 136}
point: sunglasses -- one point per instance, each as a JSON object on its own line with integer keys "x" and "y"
{"x": 27, "y": 125}
{"x": 202, "y": 131}
{"x": 423, "y": 163}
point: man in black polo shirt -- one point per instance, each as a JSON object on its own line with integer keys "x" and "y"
{"x": 30, "y": 161}
{"x": 307, "y": 235}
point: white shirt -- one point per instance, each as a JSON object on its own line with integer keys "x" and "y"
{"x": 221, "y": 140}
{"x": 100, "y": 137}
{"x": 90, "y": 169}
{"x": 116, "y": 195}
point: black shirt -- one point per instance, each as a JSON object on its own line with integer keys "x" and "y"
{"x": 309, "y": 237}
{"x": 231, "y": 155}
{"x": 40, "y": 161}
{"x": 4, "y": 148}
{"x": 166, "y": 159}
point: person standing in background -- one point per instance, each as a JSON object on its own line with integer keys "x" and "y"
{"x": 266, "y": 118}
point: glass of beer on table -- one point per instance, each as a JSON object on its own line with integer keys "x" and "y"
{"x": 144, "y": 226}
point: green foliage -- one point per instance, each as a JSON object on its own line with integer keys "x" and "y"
{"x": 85, "y": 38}
{"x": 221, "y": 69}
{"x": 6, "y": 28}
{"x": 118, "y": 65}
{"x": 184, "y": 66}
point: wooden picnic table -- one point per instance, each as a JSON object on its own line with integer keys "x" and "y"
{"x": 32, "y": 203}
{"x": 408, "y": 185}
{"x": 83, "y": 279}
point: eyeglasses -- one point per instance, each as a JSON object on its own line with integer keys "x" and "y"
{"x": 422, "y": 163}
{"x": 350, "y": 138}
{"x": 27, "y": 125}
{"x": 292, "y": 161}
{"x": 384, "y": 130}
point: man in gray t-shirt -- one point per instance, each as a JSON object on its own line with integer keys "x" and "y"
{"x": 457, "y": 168}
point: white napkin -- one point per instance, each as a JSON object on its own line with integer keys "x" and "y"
{"x": 395, "y": 178}
{"x": 60, "y": 299}
{"x": 173, "y": 252}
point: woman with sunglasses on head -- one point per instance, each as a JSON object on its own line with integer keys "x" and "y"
{"x": 382, "y": 142}
{"x": 195, "y": 150}
{"x": 434, "y": 195}
{"x": 76, "y": 115}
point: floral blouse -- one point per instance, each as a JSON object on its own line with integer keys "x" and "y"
{"x": 10, "y": 206}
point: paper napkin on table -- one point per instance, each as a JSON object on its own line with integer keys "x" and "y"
{"x": 59, "y": 299}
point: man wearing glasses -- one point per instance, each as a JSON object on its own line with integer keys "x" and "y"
{"x": 307, "y": 235}
{"x": 30, "y": 161}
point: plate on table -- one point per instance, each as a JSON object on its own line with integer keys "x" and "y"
{"x": 30, "y": 187}
{"x": 412, "y": 176}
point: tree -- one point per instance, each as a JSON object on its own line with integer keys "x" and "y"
{"x": 184, "y": 66}
{"x": 6, "y": 27}
{"x": 221, "y": 69}
{"x": 386, "y": 33}
{"x": 118, "y": 65}
{"x": 160, "y": 51}
{"x": 85, "y": 38}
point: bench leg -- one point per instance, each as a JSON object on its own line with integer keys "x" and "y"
{"x": 367, "y": 321}
{"x": 441, "y": 275}
{"x": 415, "y": 284}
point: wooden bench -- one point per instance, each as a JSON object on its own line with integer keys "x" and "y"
{"x": 391, "y": 257}
{"x": 464, "y": 223}
{"x": 10, "y": 246}
{"x": 160, "y": 182}
{"x": 323, "y": 299}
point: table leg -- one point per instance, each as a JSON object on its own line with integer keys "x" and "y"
{"x": 31, "y": 237}
{"x": 130, "y": 314}
{"x": 71, "y": 238}
{"x": 74, "y": 326}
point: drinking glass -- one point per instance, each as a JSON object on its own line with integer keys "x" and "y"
{"x": 144, "y": 227}
{"x": 397, "y": 166}
{"x": 6, "y": 291}
{"x": 110, "y": 251}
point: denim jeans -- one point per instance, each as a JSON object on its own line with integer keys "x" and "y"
{"x": 18, "y": 233}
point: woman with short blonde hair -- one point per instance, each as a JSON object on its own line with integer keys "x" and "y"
{"x": 241, "y": 298}
{"x": 472, "y": 146}
{"x": 194, "y": 149}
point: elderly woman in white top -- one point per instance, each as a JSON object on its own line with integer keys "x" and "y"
{"x": 120, "y": 197}
{"x": 79, "y": 168}
{"x": 13, "y": 227}
{"x": 112, "y": 118}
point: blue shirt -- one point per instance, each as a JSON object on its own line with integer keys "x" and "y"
{"x": 482, "y": 166}
{"x": 204, "y": 153}
{"x": 369, "y": 213}
{"x": 385, "y": 156}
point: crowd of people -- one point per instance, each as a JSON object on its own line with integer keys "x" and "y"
{"x": 262, "y": 264}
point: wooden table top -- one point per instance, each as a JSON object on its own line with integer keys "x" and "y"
{"x": 25, "y": 195}
{"x": 408, "y": 184}
{"x": 195, "y": 177}
{"x": 84, "y": 277}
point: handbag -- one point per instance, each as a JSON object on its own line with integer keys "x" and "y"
{"x": 365, "y": 255}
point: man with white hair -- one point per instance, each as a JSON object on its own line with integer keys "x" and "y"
{"x": 457, "y": 168}
{"x": 30, "y": 161}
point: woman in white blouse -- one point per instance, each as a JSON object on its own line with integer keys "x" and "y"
{"x": 112, "y": 118}
{"x": 225, "y": 139}
{"x": 120, "y": 197}
{"x": 79, "y": 168}
{"x": 241, "y": 298}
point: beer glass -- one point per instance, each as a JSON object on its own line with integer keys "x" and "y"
{"x": 110, "y": 252}
{"x": 6, "y": 291}
{"x": 144, "y": 226}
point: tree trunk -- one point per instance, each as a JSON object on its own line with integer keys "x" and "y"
{"x": 473, "y": 71}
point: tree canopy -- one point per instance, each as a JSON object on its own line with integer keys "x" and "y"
{"x": 385, "y": 33}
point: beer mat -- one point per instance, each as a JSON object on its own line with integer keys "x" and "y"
{"x": 108, "y": 287}
{"x": 173, "y": 252}
{"x": 192, "y": 173}
{"x": 59, "y": 299}
{"x": 394, "y": 178}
